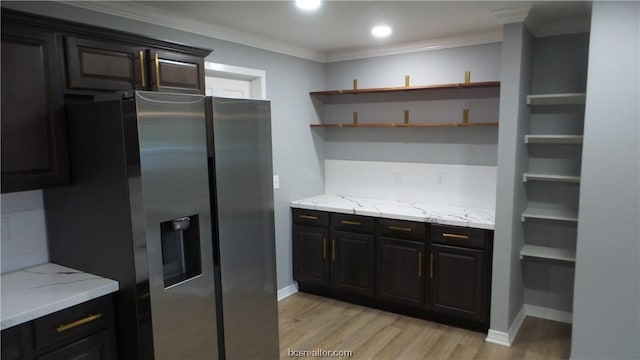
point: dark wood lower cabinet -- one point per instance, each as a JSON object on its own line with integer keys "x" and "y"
{"x": 437, "y": 272}
{"x": 98, "y": 346}
{"x": 352, "y": 262}
{"x": 85, "y": 331}
{"x": 400, "y": 271}
{"x": 457, "y": 282}
{"x": 311, "y": 259}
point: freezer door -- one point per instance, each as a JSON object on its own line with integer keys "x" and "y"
{"x": 177, "y": 217}
{"x": 244, "y": 191}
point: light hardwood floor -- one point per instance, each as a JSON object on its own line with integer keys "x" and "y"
{"x": 309, "y": 322}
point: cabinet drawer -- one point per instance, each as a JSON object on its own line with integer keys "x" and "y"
{"x": 11, "y": 344}
{"x": 352, "y": 223}
{"x": 458, "y": 236}
{"x": 97, "y": 346}
{"x": 310, "y": 217}
{"x": 401, "y": 229}
{"x": 76, "y": 321}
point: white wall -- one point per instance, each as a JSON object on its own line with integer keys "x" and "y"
{"x": 606, "y": 306}
{"x": 24, "y": 238}
{"x": 507, "y": 291}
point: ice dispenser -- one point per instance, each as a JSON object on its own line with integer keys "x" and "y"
{"x": 180, "y": 249}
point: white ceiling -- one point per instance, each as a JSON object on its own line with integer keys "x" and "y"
{"x": 340, "y": 30}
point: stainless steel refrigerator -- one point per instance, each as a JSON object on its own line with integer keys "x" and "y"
{"x": 172, "y": 196}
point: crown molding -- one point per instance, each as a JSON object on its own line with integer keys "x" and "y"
{"x": 571, "y": 26}
{"x": 147, "y": 14}
{"x": 140, "y": 12}
{"x": 476, "y": 38}
{"x": 514, "y": 15}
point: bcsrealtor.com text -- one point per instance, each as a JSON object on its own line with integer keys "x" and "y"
{"x": 319, "y": 353}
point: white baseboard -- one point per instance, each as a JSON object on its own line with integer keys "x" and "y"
{"x": 287, "y": 291}
{"x": 549, "y": 314}
{"x": 506, "y": 339}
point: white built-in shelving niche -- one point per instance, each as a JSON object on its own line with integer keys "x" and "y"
{"x": 549, "y": 213}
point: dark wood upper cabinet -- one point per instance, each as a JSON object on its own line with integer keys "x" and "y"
{"x": 175, "y": 72}
{"x": 47, "y": 63}
{"x": 34, "y": 151}
{"x": 101, "y": 65}
{"x": 110, "y": 66}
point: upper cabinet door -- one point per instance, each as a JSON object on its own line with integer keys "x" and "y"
{"x": 101, "y": 65}
{"x": 34, "y": 153}
{"x": 176, "y": 72}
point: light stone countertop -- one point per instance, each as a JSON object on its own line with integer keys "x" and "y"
{"x": 401, "y": 210}
{"x": 33, "y": 292}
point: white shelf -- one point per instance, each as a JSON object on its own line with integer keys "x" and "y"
{"x": 550, "y": 214}
{"x": 553, "y": 139}
{"x": 550, "y": 177}
{"x": 557, "y": 99}
{"x": 545, "y": 252}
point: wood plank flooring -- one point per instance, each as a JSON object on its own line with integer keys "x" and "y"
{"x": 309, "y": 322}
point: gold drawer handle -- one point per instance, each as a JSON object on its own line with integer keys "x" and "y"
{"x": 455, "y": 236}
{"x": 309, "y": 217}
{"x": 142, "y": 77}
{"x": 420, "y": 264}
{"x": 345, "y": 222}
{"x": 157, "y": 61}
{"x": 77, "y": 323}
{"x": 399, "y": 228}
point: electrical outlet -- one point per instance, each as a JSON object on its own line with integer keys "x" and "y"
{"x": 276, "y": 182}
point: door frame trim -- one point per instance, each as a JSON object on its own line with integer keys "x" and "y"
{"x": 256, "y": 77}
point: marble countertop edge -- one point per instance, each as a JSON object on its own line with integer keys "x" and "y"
{"x": 31, "y": 293}
{"x": 400, "y": 210}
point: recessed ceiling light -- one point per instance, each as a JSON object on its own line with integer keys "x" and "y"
{"x": 381, "y": 31}
{"x": 308, "y": 4}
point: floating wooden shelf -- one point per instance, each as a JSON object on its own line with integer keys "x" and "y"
{"x": 545, "y": 252}
{"x": 553, "y": 139}
{"x": 550, "y": 214}
{"x": 470, "y": 85}
{"x": 557, "y": 99}
{"x": 550, "y": 177}
{"x": 386, "y": 125}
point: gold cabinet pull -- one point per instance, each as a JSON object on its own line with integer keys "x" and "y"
{"x": 400, "y": 228}
{"x": 455, "y": 236}
{"x": 309, "y": 217}
{"x": 346, "y": 222}
{"x": 333, "y": 249}
{"x": 157, "y": 62}
{"x": 324, "y": 247}
{"x": 143, "y": 80}
{"x": 77, "y": 323}
{"x": 431, "y": 266}
{"x": 420, "y": 264}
